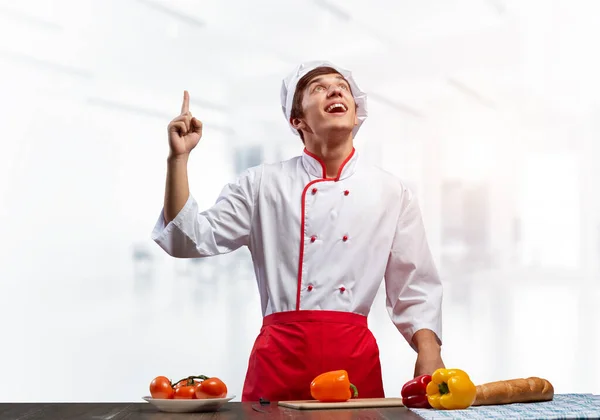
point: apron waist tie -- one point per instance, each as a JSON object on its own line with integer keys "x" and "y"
{"x": 336, "y": 317}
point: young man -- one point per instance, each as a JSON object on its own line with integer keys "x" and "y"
{"x": 324, "y": 229}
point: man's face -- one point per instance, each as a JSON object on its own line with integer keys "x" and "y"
{"x": 328, "y": 106}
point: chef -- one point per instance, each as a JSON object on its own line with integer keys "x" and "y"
{"x": 325, "y": 229}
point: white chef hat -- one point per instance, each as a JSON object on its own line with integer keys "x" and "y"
{"x": 288, "y": 88}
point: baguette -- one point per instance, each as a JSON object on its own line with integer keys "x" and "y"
{"x": 514, "y": 391}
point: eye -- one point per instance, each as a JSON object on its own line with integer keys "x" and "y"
{"x": 319, "y": 88}
{"x": 343, "y": 86}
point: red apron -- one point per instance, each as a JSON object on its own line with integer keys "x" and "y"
{"x": 294, "y": 347}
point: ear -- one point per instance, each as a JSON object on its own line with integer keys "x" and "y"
{"x": 297, "y": 123}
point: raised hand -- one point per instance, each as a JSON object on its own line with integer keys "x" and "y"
{"x": 185, "y": 130}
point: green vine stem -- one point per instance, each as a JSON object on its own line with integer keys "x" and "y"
{"x": 190, "y": 380}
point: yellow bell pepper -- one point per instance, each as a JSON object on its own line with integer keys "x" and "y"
{"x": 451, "y": 389}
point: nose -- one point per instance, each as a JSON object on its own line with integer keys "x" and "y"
{"x": 334, "y": 90}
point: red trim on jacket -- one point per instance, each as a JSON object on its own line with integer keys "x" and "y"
{"x": 302, "y": 220}
{"x": 341, "y": 168}
{"x": 301, "y": 257}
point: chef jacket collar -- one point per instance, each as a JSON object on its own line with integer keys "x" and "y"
{"x": 316, "y": 167}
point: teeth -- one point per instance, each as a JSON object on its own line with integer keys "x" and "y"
{"x": 333, "y": 106}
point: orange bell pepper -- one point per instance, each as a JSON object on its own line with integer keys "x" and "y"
{"x": 333, "y": 386}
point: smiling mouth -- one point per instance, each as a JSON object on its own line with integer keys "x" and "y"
{"x": 336, "y": 108}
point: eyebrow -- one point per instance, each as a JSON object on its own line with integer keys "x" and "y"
{"x": 320, "y": 79}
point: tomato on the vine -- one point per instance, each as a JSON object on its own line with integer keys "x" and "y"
{"x": 192, "y": 387}
{"x": 184, "y": 382}
{"x": 211, "y": 388}
{"x": 184, "y": 392}
{"x": 160, "y": 388}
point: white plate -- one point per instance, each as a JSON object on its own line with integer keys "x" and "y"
{"x": 188, "y": 406}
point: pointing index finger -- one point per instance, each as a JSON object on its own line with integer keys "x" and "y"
{"x": 185, "y": 107}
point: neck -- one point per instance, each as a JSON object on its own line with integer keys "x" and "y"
{"x": 332, "y": 153}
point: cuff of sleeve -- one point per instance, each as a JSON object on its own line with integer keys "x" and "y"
{"x": 162, "y": 229}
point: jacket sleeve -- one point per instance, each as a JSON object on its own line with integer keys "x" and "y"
{"x": 223, "y": 228}
{"x": 413, "y": 286}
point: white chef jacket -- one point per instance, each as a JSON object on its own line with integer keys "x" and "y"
{"x": 319, "y": 243}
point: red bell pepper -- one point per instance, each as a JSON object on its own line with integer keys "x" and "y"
{"x": 414, "y": 392}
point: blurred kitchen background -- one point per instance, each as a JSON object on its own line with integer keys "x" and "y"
{"x": 489, "y": 109}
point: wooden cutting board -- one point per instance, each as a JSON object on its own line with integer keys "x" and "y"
{"x": 353, "y": 403}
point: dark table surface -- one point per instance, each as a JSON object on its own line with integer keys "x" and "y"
{"x": 232, "y": 410}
